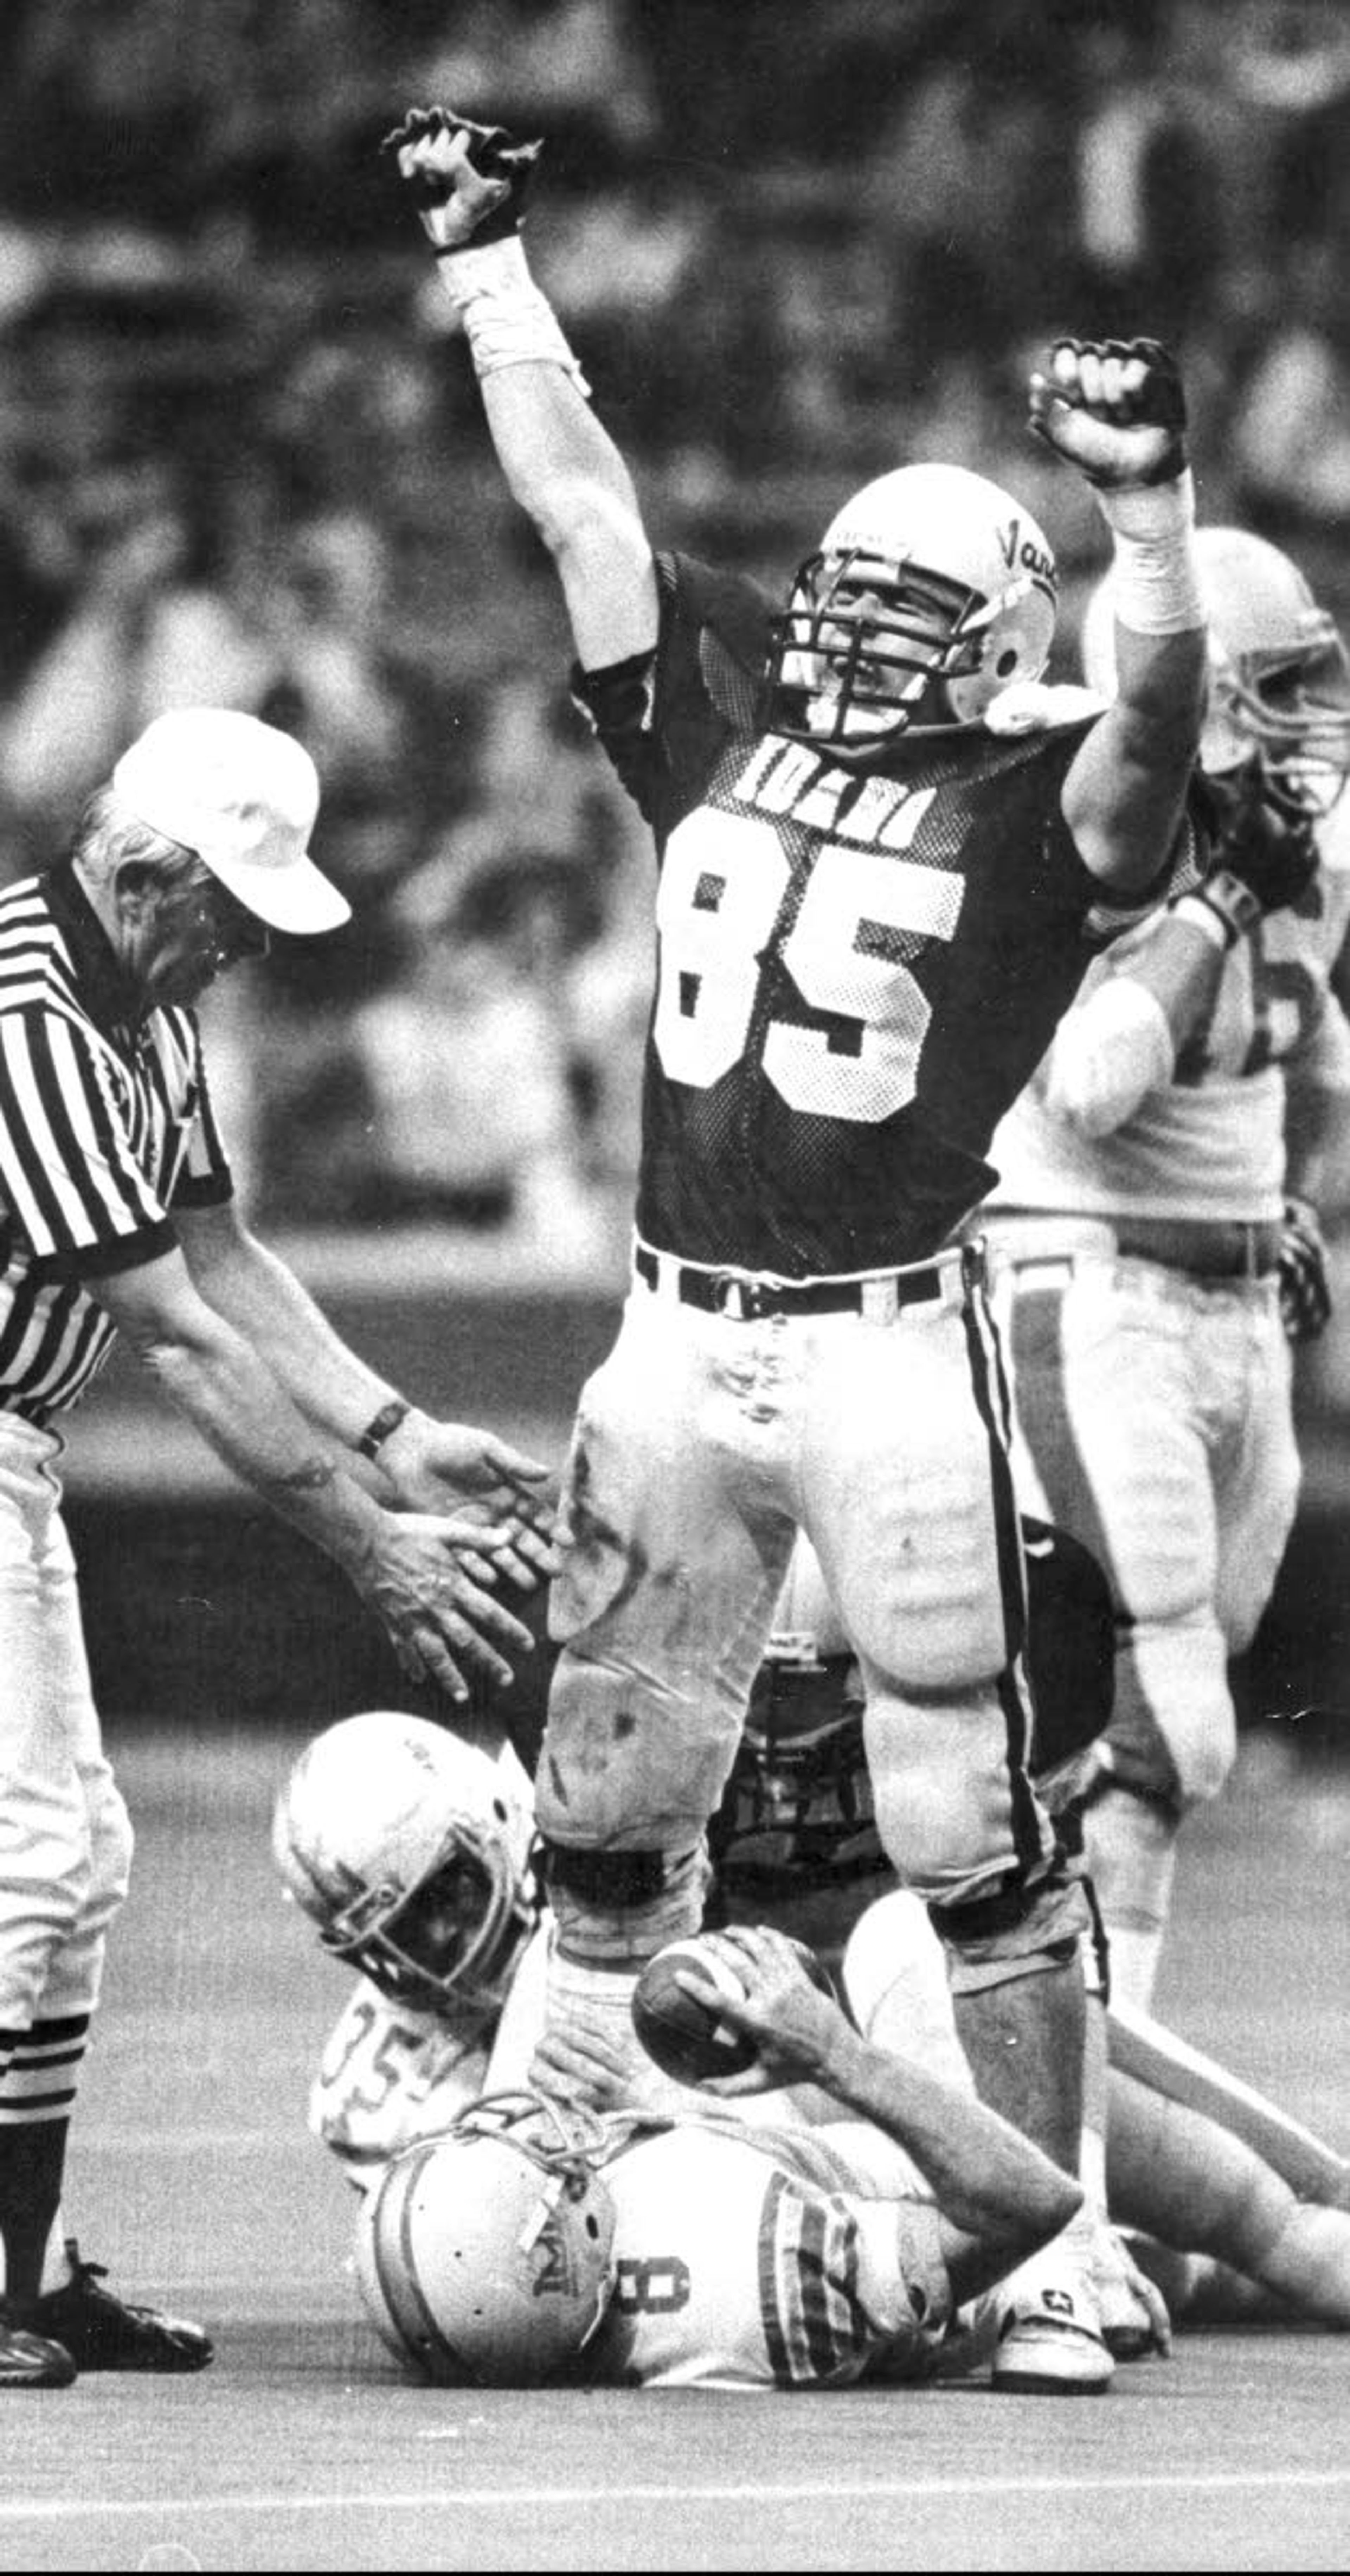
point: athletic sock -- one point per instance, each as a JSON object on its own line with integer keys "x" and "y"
{"x": 1131, "y": 1855}
{"x": 37, "y": 2093}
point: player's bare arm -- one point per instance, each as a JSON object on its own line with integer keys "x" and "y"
{"x": 469, "y": 183}
{"x": 422, "y": 1464}
{"x": 409, "y": 1567}
{"x": 999, "y": 2197}
{"x": 1115, "y": 410}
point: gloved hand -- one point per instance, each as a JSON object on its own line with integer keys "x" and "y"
{"x": 1305, "y": 1293}
{"x": 469, "y": 181}
{"x": 1114, "y": 408}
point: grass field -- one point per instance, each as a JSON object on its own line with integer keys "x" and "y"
{"x": 302, "y": 2448}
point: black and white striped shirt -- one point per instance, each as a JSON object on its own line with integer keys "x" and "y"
{"x": 105, "y": 1128}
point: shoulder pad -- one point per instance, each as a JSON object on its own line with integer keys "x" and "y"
{"x": 1038, "y": 706}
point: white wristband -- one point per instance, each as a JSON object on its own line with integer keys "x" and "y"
{"x": 1200, "y": 913}
{"x": 1155, "y": 579}
{"x": 506, "y": 320}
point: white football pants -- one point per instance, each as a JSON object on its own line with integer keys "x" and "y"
{"x": 702, "y": 1443}
{"x": 1153, "y": 1420}
{"x": 65, "y": 1838}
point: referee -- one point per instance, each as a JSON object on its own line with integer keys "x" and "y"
{"x": 116, "y": 1212}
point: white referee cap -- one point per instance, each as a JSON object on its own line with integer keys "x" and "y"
{"x": 244, "y": 796}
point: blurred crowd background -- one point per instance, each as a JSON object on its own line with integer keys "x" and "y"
{"x": 794, "y": 241}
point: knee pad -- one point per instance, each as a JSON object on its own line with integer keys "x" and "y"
{"x": 1173, "y": 1736}
{"x": 616, "y": 1909}
{"x": 955, "y": 1809}
{"x": 75, "y": 1974}
{"x": 112, "y": 1843}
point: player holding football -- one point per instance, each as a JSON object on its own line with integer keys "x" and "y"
{"x": 1156, "y": 1222}
{"x": 883, "y": 867}
{"x": 696, "y": 2251}
{"x": 409, "y": 1847}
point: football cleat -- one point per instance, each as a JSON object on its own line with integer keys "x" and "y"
{"x": 32, "y": 2361}
{"x": 93, "y": 2330}
{"x": 1049, "y": 2346}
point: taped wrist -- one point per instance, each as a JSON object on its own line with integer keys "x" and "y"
{"x": 505, "y": 318}
{"x": 1155, "y": 577}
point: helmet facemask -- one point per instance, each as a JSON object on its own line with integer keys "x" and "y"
{"x": 1279, "y": 680}
{"x": 932, "y": 592}
{"x": 869, "y": 651}
{"x": 1290, "y": 708}
{"x": 409, "y": 1850}
{"x": 455, "y": 1936}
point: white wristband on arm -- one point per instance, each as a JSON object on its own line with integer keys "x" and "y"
{"x": 506, "y": 320}
{"x": 1223, "y": 907}
{"x": 1155, "y": 577}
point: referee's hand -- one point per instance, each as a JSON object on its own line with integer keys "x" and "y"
{"x": 454, "y": 1467}
{"x": 421, "y": 1575}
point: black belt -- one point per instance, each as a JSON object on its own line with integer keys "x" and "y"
{"x": 729, "y": 1292}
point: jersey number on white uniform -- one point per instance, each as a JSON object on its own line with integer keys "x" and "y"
{"x": 722, "y": 885}
{"x": 1285, "y": 995}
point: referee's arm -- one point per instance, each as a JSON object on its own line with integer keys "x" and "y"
{"x": 259, "y": 1294}
{"x": 425, "y": 1464}
{"x": 405, "y": 1565}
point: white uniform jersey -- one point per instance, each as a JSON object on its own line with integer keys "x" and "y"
{"x": 1209, "y": 1143}
{"x": 390, "y": 2074}
{"x": 381, "y": 2070}
{"x": 764, "y": 2261}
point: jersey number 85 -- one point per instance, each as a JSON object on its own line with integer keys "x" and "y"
{"x": 864, "y": 915}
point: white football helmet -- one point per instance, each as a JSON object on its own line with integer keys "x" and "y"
{"x": 1279, "y": 680}
{"x": 485, "y": 2255}
{"x": 409, "y": 1849}
{"x": 932, "y": 592}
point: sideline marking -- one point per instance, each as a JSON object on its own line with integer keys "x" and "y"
{"x": 819, "y": 2490}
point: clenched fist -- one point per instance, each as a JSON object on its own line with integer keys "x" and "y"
{"x": 1115, "y": 409}
{"x": 469, "y": 181}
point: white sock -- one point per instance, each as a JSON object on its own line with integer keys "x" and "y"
{"x": 1131, "y": 1854}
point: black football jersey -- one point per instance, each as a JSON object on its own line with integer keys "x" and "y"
{"x": 858, "y": 968}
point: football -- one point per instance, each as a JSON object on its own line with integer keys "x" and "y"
{"x": 687, "y": 2038}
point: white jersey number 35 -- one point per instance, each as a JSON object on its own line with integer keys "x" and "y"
{"x": 722, "y": 886}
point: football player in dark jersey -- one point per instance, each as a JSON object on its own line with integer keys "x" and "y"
{"x": 886, "y": 854}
